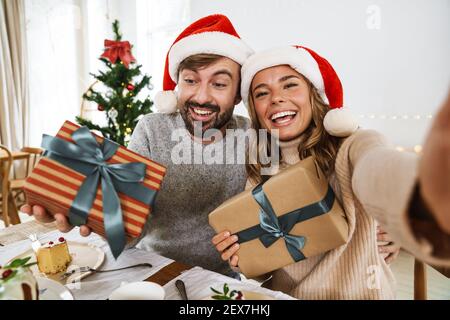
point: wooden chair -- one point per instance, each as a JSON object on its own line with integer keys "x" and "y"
{"x": 5, "y": 196}
{"x": 420, "y": 280}
{"x": 17, "y": 184}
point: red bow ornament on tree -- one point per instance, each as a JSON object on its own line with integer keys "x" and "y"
{"x": 118, "y": 49}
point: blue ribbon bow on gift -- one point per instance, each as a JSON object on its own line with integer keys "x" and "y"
{"x": 89, "y": 158}
{"x": 271, "y": 228}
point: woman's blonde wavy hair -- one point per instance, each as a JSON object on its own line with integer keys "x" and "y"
{"x": 315, "y": 140}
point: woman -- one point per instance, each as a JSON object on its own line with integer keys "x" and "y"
{"x": 298, "y": 93}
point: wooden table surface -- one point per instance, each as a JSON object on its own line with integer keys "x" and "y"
{"x": 21, "y": 231}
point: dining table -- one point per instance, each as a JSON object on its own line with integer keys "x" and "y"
{"x": 14, "y": 240}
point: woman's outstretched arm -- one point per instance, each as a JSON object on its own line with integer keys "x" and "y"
{"x": 409, "y": 195}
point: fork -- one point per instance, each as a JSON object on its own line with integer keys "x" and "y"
{"x": 89, "y": 269}
{"x": 35, "y": 243}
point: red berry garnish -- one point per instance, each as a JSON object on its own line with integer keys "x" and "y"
{"x": 61, "y": 239}
{"x": 239, "y": 296}
{"x": 50, "y": 243}
{"x": 6, "y": 273}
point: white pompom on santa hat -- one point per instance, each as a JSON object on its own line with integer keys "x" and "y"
{"x": 338, "y": 121}
{"x": 213, "y": 34}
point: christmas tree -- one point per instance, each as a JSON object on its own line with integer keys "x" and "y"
{"x": 119, "y": 102}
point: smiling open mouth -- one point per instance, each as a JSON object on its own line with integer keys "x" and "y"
{"x": 201, "y": 114}
{"x": 283, "y": 117}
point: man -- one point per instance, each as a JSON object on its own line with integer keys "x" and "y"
{"x": 204, "y": 62}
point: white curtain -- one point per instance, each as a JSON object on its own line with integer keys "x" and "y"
{"x": 158, "y": 22}
{"x": 56, "y": 50}
{"x": 14, "y": 107}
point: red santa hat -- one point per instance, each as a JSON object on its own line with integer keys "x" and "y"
{"x": 338, "y": 121}
{"x": 213, "y": 34}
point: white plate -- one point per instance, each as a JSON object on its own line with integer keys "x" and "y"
{"x": 52, "y": 290}
{"x": 83, "y": 255}
{"x": 141, "y": 290}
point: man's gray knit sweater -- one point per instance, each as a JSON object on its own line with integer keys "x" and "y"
{"x": 178, "y": 226}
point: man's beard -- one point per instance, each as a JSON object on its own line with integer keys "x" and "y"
{"x": 219, "y": 120}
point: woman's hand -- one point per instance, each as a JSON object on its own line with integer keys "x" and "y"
{"x": 434, "y": 168}
{"x": 226, "y": 244}
{"x": 387, "y": 246}
{"x": 63, "y": 225}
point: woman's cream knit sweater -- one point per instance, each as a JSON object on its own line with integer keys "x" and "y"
{"x": 373, "y": 182}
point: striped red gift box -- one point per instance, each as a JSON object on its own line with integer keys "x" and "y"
{"x": 55, "y": 186}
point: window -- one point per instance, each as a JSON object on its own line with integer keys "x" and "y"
{"x": 65, "y": 39}
{"x": 159, "y": 22}
{"x": 54, "y": 30}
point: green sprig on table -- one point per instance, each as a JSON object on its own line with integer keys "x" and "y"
{"x": 9, "y": 272}
{"x": 226, "y": 294}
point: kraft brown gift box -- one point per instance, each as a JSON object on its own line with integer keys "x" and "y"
{"x": 296, "y": 187}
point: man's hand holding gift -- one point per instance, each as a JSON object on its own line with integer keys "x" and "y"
{"x": 62, "y": 223}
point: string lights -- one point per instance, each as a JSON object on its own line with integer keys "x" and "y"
{"x": 397, "y": 116}
{"x": 417, "y": 148}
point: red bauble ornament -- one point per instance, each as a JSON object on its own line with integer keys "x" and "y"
{"x": 130, "y": 87}
{"x": 100, "y": 107}
{"x": 6, "y": 273}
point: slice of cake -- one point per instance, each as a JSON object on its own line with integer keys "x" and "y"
{"x": 53, "y": 257}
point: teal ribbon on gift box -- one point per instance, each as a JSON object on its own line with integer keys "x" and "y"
{"x": 88, "y": 157}
{"x": 271, "y": 228}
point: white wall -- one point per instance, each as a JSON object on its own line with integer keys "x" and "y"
{"x": 392, "y": 56}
